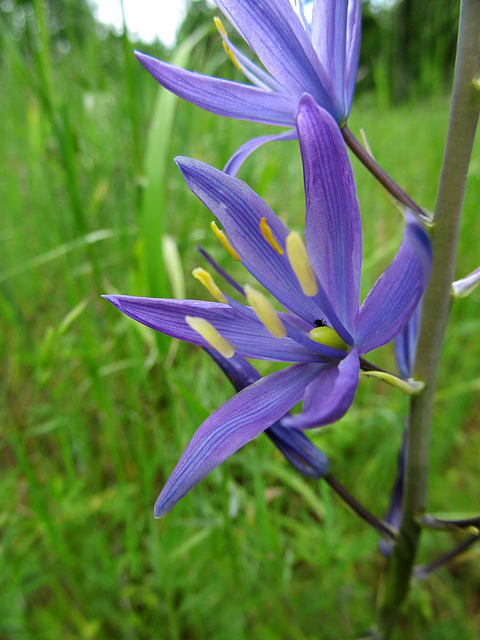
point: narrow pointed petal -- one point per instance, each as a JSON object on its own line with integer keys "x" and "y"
{"x": 276, "y": 34}
{"x": 223, "y": 97}
{"x": 329, "y": 32}
{"x": 354, "y": 38}
{"x": 329, "y": 396}
{"x": 394, "y": 297}
{"x": 248, "y": 336}
{"x": 300, "y": 452}
{"x": 406, "y": 344}
{"x": 238, "y": 421}
{"x": 239, "y": 157}
{"x": 239, "y": 210}
{"x": 333, "y": 232}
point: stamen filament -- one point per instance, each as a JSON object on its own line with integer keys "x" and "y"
{"x": 298, "y": 257}
{"x": 223, "y": 239}
{"x": 269, "y": 237}
{"x": 210, "y": 334}
{"x": 265, "y": 312}
{"x": 252, "y": 71}
{"x": 209, "y": 283}
{"x": 220, "y": 28}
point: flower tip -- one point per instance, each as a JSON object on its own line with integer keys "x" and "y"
{"x": 143, "y": 58}
{"x": 116, "y": 301}
{"x": 158, "y": 513}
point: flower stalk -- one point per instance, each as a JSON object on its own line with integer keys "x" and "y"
{"x": 436, "y": 308}
{"x": 383, "y": 178}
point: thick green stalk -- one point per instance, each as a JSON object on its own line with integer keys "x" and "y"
{"x": 436, "y": 307}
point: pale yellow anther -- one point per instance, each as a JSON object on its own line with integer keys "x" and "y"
{"x": 220, "y": 28}
{"x": 209, "y": 283}
{"x": 265, "y": 312}
{"x": 269, "y": 237}
{"x": 210, "y": 334}
{"x": 224, "y": 35}
{"x": 231, "y": 55}
{"x": 298, "y": 257}
{"x": 222, "y": 238}
{"x": 329, "y": 337}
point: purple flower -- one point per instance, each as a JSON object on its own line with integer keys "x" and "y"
{"x": 324, "y": 330}
{"x": 320, "y": 58}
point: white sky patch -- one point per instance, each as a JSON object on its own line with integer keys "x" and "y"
{"x": 148, "y": 19}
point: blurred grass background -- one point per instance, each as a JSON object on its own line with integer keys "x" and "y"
{"x": 95, "y": 409}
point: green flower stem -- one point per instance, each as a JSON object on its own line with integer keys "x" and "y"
{"x": 436, "y": 307}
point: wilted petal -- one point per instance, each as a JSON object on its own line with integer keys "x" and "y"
{"x": 239, "y": 157}
{"x": 239, "y": 210}
{"x": 223, "y": 97}
{"x": 329, "y": 396}
{"x": 276, "y": 34}
{"x": 406, "y": 344}
{"x": 235, "y": 423}
{"x": 248, "y": 336}
{"x": 333, "y": 232}
{"x": 394, "y": 513}
{"x": 329, "y": 31}
{"x": 397, "y": 292}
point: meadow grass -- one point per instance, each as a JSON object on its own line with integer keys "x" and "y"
{"x": 97, "y": 409}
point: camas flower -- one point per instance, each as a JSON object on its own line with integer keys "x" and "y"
{"x": 324, "y": 330}
{"x": 320, "y": 58}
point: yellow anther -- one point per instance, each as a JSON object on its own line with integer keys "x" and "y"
{"x": 269, "y": 237}
{"x": 221, "y": 236}
{"x": 329, "y": 337}
{"x": 231, "y": 55}
{"x": 211, "y": 335}
{"x": 298, "y": 257}
{"x": 209, "y": 283}
{"x": 265, "y": 312}
{"x": 220, "y": 28}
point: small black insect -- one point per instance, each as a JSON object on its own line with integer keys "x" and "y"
{"x": 320, "y": 323}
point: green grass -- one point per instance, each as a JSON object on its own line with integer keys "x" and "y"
{"x": 96, "y": 410}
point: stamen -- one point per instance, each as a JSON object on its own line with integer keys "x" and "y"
{"x": 269, "y": 237}
{"x": 265, "y": 312}
{"x": 209, "y": 283}
{"x": 210, "y": 334}
{"x": 221, "y": 30}
{"x": 297, "y": 254}
{"x": 223, "y": 239}
{"x": 329, "y": 337}
{"x": 232, "y": 56}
